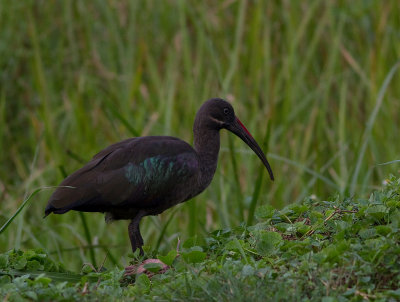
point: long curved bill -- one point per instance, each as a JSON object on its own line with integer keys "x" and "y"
{"x": 240, "y": 130}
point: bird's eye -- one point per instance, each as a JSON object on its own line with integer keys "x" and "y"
{"x": 226, "y": 110}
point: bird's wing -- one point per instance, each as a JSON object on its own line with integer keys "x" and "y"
{"x": 137, "y": 172}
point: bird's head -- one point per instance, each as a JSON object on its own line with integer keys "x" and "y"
{"x": 217, "y": 114}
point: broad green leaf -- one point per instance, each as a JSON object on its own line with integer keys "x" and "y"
{"x": 34, "y": 265}
{"x": 169, "y": 258}
{"x": 31, "y": 294}
{"x": 383, "y": 230}
{"x": 367, "y": 233}
{"x": 3, "y": 261}
{"x": 377, "y": 211}
{"x": 143, "y": 282}
{"x": 153, "y": 267}
{"x": 20, "y": 263}
{"x": 283, "y": 227}
{"x": 42, "y": 279}
{"x": 299, "y": 208}
{"x": 264, "y": 212}
{"x": 248, "y": 270}
{"x": 190, "y": 242}
{"x": 194, "y": 256}
{"x": 267, "y": 242}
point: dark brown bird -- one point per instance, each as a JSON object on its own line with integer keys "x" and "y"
{"x": 144, "y": 176}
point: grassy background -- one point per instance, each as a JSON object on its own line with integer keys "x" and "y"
{"x": 316, "y": 82}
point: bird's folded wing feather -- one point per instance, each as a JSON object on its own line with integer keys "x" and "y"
{"x": 136, "y": 172}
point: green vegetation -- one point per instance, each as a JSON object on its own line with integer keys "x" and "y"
{"x": 335, "y": 250}
{"x": 316, "y": 82}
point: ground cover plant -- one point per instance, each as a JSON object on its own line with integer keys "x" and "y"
{"x": 315, "y": 81}
{"x": 334, "y": 250}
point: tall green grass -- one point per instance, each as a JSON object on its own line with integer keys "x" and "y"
{"x": 320, "y": 77}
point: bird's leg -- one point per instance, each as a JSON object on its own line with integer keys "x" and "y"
{"x": 134, "y": 232}
{"x": 139, "y": 238}
{"x": 135, "y": 237}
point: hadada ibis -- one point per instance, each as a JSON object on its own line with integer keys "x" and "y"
{"x": 146, "y": 175}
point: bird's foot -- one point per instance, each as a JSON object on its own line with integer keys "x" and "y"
{"x": 140, "y": 268}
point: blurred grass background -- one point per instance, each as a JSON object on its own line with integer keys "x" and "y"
{"x": 316, "y": 83}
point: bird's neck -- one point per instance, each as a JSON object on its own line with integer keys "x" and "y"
{"x": 206, "y": 144}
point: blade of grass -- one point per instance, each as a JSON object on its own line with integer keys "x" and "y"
{"x": 20, "y": 208}
{"x": 234, "y": 59}
{"x": 306, "y": 169}
{"x": 371, "y": 121}
{"x": 55, "y": 276}
{"x": 164, "y": 229}
{"x": 389, "y": 162}
{"x": 193, "y": 217}
{"x": 111, "y": 257}
{"x": 241, "y": 250}
{"x": 238, "y": 190}
{"x": 259, "y": 179}
{"x": 85, "y": 228}
{"x": 3, "y": 124}
{"x": 344, "y": 173}
{"x": 115, "y": 113}
{"x": 88, "y": 238}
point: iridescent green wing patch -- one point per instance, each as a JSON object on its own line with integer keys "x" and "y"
{"x": 159, "y": 170}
